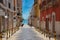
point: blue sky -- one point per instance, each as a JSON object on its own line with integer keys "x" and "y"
{"x": 26, "y": 7}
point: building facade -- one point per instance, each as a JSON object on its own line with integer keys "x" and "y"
{"x": 49, "y": 16}
{"x": 35, "y": 14}
{"x": 19, "y": 14}
{"x": 8, "y": 16}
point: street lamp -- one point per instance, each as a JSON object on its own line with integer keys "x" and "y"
{"x": 5, "y": 21}
{"x": 6, "y": 24}
{"x": 6, "y": 16}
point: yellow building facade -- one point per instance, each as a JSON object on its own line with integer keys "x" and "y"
{"x": 35, "y": 14}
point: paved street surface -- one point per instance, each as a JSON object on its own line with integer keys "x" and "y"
{"x": 27, "y": 33}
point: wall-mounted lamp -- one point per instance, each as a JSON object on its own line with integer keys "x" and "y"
{"x": 6, "y": 16}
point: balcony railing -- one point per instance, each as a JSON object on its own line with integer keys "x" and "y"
{"x": 35, "y": 2}
{"x": 49, "y": 4}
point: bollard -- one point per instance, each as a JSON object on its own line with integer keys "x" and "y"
{"x": 55, "y": 36}
{"x": 44, "y": 34}
{"x": 47, "y": 33}
{"x": 9, "y": 33}
{"x": 49, "y": 36}
{"x": 7, "y": 36}
{"x": 12, "y": 31}
{"x": 0, "y": 36}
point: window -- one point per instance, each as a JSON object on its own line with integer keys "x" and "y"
{"x": 9, "y": 5}
{"x": 44, "y": 3}
{"x": 55, "y": 4}
{"x": 18, "y": 14}
{"x": 14, "y": 8}
{"x": 47, "y": 23}
{"x": 1, "y": 1}
{"x": 53, "y": 21}
{"x": 48, "y": 1}
{"x": 41, "y": 6}
{"x": 35, "y": 2}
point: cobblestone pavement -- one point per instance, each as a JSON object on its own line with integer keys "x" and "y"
{"x": 28, "y": 33}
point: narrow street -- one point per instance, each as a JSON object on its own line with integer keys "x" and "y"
{"x": 26, "y": 33}
{"x": 29, "y": 20}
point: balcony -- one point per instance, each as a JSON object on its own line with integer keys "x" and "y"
{"x": 19, "y": 14}
{"x": 49, "y": 4}
{"x": 35, "y": 2}
{"x": 48, "y": 1}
